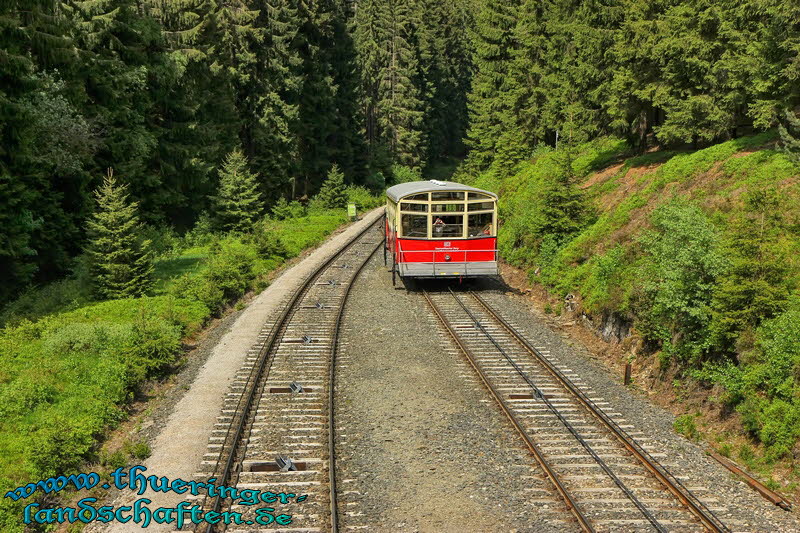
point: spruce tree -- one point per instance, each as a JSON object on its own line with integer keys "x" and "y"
{"x": 238, "y": 204}
{"x": 332, "y": 194}
{"x": 564, "y": 210}
{"x": 121, "y": 264}
{"x": 371, "y": 58}
{"x": 754, "y": 287}
{"x": 490, "y": 113}
{"x": 445, "y": 72}
{"x": 789, "y": 131}
{"x": 400, "y": 102}
{"x": 271, "y": 142}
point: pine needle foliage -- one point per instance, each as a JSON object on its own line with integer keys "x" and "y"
{"x": 121, "y": 264}
{"x": 789, "y": 130}
{"x": 238, "y": 204}
{"x": 565, "y": 211}
{"x": 333, "y": 194}
{"x": 755, "y": 287}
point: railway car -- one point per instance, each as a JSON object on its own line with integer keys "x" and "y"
{"x": 441, "y": 229}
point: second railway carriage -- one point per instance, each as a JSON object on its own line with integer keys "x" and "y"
{"x": 441, "y": 229}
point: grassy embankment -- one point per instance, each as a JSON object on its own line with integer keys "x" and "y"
{"x": 701, "y": 252}
{"x": 70, "y": 365}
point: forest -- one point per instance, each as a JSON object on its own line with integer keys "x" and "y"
{"x": 162, "y": 91}
{"x": 221, "y": 137}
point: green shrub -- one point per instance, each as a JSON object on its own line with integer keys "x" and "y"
{"x": 363, "y": 199}
{"x": 36, "y": 302}
{"x": 153, "y": 346}
{"x": 164, "y": 241}
{"x": 682, "y": 263}
{"x": 747, "y": 455}
{"x": 59, "y": 447}
{"x": 267, "y": 240}
{"x": 686, "y": 426}
{"x": 199, "y": 288}
{"x": 138, "y": 450}
{"x": 114, "y": 460}
{"x": 23, "y": 396}
{"x": 404, "y": 174}
{"x": 202, "y": 233}
{"x": 756, "y": 285}
{"x": 725, "y": 449}
{"x": 228, "y": 274}
{"x": 283, "y": 209}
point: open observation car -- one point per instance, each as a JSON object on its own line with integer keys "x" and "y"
{"x": 441, "y": 229}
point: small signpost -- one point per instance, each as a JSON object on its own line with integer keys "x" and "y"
{"x": 351, "y": 211}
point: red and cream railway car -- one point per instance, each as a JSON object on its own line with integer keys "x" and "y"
{"x": 441, "y": 229}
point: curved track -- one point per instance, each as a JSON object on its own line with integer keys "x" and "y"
{"x": 267, "y": 418}
{"x": 602, "y": 474}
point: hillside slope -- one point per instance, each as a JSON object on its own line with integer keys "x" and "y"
{"x": 697, "y": 251}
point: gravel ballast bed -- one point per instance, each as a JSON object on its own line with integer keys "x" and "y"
{"x": 422, "y": 447}
{"x": 745, "y": 510}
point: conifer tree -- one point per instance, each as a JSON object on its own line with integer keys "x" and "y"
{"x": 238, "y": 203}
{"x": 332, "y": 193}
{"x": 564, "y": 210}
{"x": 754, "y": 286}
{"x": 445, "y": 72}
{"x": 317, "y": 121}
{"x": 789, "y": 131}
{"x": 400, "y": 101}
{"x": 121, "y": 264}
{"x": 371, "y": 58}
{"x": 271, "y": 139}
{"x": 490, "y": 113}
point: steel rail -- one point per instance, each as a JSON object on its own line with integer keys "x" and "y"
{"x": 331, "y": 382}
{"x": 260, "y": 372}
{"x": 707, "y": 517}
{"x": 572, "y": 505}
{"x": 574, "y": 432}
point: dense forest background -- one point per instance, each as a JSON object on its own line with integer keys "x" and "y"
{"x": 162, "y": 91}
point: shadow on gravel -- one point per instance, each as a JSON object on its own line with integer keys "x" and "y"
{"x": 443, "y": 284}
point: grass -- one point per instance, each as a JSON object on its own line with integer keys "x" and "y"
{"x": 70, "y": 365}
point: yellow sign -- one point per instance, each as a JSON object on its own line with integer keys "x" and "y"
{"x": 351, "y": 210}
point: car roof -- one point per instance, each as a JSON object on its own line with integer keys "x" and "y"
{"x": 416, "y": 187}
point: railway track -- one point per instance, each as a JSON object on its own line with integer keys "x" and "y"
{"x": 275, "y": 432}
{"x": 596, "y": 466}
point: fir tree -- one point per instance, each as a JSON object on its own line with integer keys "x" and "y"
{"x": 238, "y": 204}
{"x": 754, "y": 286}
{"x": 332, "y": 194}
{"x": 789, "y": 131}
{"x": 121, "y": 264}
{"x": 564, "y": 211}
{"x": 490, "y": 113}
{"x": 400, "y": 101}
